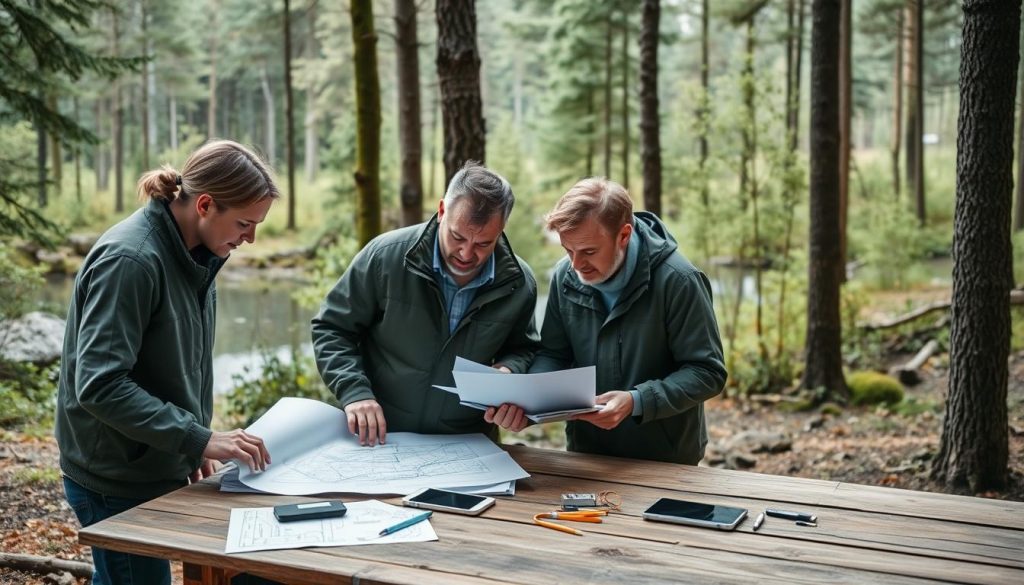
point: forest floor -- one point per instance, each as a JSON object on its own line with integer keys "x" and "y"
{"x": 861, "y": 445}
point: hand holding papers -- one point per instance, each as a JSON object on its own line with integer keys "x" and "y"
{"x": 547, "y": 397}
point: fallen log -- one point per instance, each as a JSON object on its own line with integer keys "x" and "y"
{"x": 908, "y": 373}
{"x": 45, "y": 565}
{"x": 1016, "y": 298}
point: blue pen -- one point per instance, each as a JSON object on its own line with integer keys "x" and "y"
{"x": 405, "y": 524}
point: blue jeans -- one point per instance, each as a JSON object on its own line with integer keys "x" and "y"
{"x": 111, "y": 567}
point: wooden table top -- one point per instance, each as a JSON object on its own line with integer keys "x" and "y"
{"x": 864, "y": 533}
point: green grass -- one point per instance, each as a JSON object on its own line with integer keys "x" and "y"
{"x": 27, "y": 476}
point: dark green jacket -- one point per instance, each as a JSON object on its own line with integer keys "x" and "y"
{"x": 382, "y": 332}
{"x": 661, "y": 338}
{"x": 136, "y": 381}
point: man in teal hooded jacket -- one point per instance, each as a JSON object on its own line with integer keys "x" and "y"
{"x": 626, "y": 301}
{"x": 415, "y": 298}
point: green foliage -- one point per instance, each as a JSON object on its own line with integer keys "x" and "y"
{"x": 328, "y": 266}
{"x": 27, "y": 394}
{"x": 278, "y": 378}
{"x": 34, "y": 476}
{"x": 913, "y": 406}
{"x": 886, "y": 236}
{"x": 874, "y": 388}
{"x": 19, "y": 285}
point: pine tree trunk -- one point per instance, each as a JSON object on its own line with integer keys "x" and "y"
{"x": 77, "y": 153}
{"x": 915, "y": 108}
{"x": 608, "y": 97}
{"x": 211, "y": 112}
{"x": 798, "y": 57}
{"x": 145, "y": 85}
{"x": 118, "y": 129}
{"x": 703, "y": 110}
{"x": 649, "y": 123}
{"x": 172, "y": 106}
{"x": 1018, "y": 218}
{"x": 311, "y": 158}
{"x": 823, "y": 372}
{"x": 897, "y": 106}
{"x": 749, "y": 116}
{"x": 367, "y": 174}
{"x": 270, "y": 131}
{"x": 625, "y": 100}
{"x": 100, "y": 150}
{"x": 974, "y": 449}
{"x": 458, "y": 70}
{"x": 41, "y": 165}
{"x": 289, "y": 114}
{"x": 591, "y": 138}
{"x": 845, "y": 119}
{"x": 410, "y": 142}
{"x": 56, "y": 154}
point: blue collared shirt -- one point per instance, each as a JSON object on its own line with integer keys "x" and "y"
{"x": 457, "y": 299}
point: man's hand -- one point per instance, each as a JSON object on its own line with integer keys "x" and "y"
{"x": 366, "y": 418}
{"x": 507, "y": 416}
{"x": 502, "y": 369}
{"x": 208, "y": 468}
{"x": 238, "y": 444}
{"x": 617, "y": 406}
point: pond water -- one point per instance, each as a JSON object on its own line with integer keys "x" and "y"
{"x": 256, "y": 316}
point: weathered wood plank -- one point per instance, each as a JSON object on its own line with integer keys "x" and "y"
{"x": 808, "y": 492}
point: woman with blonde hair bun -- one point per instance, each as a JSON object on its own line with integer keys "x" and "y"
{"x": 135, "y": 396}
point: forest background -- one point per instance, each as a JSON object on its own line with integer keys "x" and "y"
{"x": 701, "y": 109}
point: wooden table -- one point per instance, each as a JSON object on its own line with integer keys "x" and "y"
{"x": 864, "y": 534}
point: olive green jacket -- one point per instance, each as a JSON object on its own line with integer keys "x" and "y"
{"x": 382, "y": 332}
{"x": 135, "y": 396}
{"x": 661, "y": 339}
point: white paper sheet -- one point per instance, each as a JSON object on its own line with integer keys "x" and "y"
{"x": 312, "y": 452}
{"x": 547, "y": 397}
{"x": 229, "y": 483}
{"x": 253, "y": 529}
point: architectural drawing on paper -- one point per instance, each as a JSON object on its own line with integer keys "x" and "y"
{"x": 339, "y": 463}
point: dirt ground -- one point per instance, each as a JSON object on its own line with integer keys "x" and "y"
{"x": 861, "y": 445}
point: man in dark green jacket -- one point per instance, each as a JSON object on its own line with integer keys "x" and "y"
{"x": 415, "y": 298}
{"x": 625, "y": 301}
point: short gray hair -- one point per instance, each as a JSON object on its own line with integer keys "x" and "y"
{"x": 487, "y": 193}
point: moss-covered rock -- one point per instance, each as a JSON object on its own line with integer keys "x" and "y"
{"x": 874, "y": 388}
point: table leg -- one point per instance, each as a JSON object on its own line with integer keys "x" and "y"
{"x": 205, "y": 575}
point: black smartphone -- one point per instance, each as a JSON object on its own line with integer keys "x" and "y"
{"x": 695, "y": 514}
{"x": 309, "y": 511}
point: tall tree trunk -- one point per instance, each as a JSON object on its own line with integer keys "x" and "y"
{"x": 77, "y": 153}
{"x": 915, "y": 107}
{"x": 410, "y": 143}
{"x": 270, "y": 130}
{"x": 56, "y": 156}
{"x": 435, "y": 109}
{"x": 146, "y": 74}
{"x": 367, "y": 175}
{"x": 703, "y": 112}
{"x": 897, "y": 105}
{"x": 608, "y": 97}
{"x": 458, "y": 69}
{"x": 118, "y": 130}
{"x": 823, "y": 372}
{"x": 211, "y": 113}
{"x": 100, "y": 149}
{"x": 1018, "y": 218}
{"x": 649, "y": 126}
{"x": 172, "y": 106}
{"x": 591, "y": 137}
{"x": 974, "y": 449}
{"x": 289, "y": 114}
{"x": 747, "y": 151}
{"x": 845, "y": 119}
{"x": 625, "y": 100}
{"x": 793, "y": 115}
{"x": 311, "y": 158}
{"x": 41, "y": 163}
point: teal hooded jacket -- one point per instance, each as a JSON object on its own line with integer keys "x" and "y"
{"x": 135, "y": 396}
{"x": 382, "y": 332}
{"x": 661, "y": 338}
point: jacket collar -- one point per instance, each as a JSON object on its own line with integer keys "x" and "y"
{"x": 173, "y": 243}
{"x": 419, "y": 257}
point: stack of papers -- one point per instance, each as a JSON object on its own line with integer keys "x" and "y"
{"x": 547, "y": 397}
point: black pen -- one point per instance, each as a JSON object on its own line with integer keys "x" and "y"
{"x": 792, "y": 515}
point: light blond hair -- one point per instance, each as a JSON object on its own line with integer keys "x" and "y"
{"x": 230, "y": 173}
{"x": 597, "y": 197}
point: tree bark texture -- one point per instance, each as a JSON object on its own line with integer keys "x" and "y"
{"x": 458, "y": 71}
{"x": 367, "y": 175}
{"x": 974, "y": 449}
{"x": 1018, "y": 218}
{"x": 211, "y": 113}
{"x": 409, "y": 127}
{"x": 705, "y": 96}
{"x": 897, "y": 106}
{"x": 118, "y": 129}
{"x": 915, "y": 108}
{"x": 624, "y": 63}
{"x": 289, "y": 114}
{"x": 608, "y": 97}
{"x": 824, "y": 367}
{"x": 650, "y": 141}
{"x": 845, "y": 120}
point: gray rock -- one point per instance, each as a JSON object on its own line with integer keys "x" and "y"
{"x": 760, "y": 442}
{"x": 82, "y": 243}
{"x": 740, "y": 461}
{"x": 34, "y": 337}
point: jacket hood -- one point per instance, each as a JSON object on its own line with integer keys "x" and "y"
{"x": 660, "y": 243}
